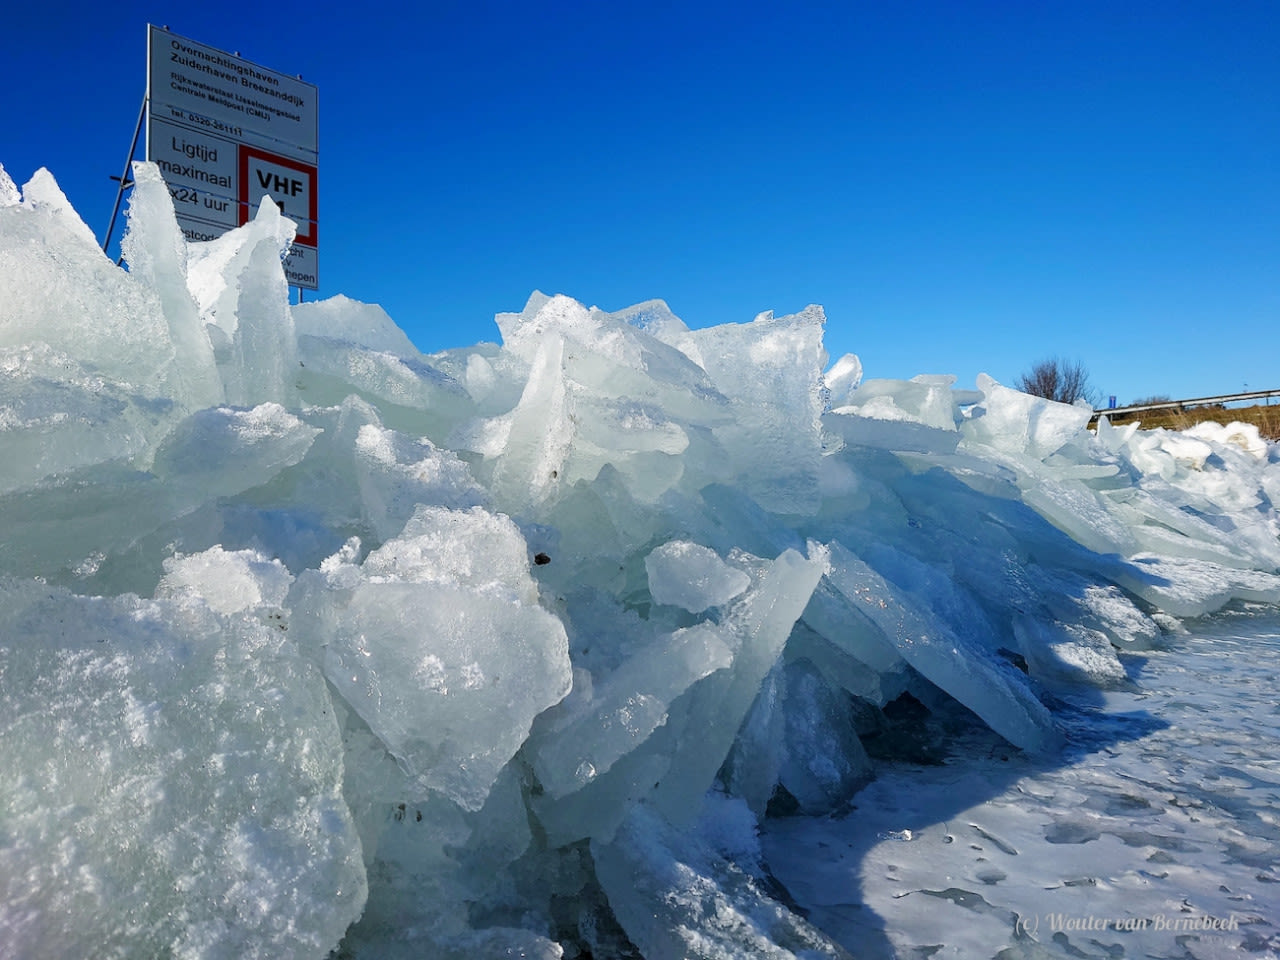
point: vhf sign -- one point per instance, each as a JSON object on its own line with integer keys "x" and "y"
{"x": 225, "y": 133}
{"x": 291, "y": 185}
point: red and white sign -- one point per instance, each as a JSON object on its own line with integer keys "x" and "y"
{"x": 292, "y": 185}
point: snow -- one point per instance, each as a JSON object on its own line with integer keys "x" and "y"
{"x": 589, "y": 640}
{"x": 1154, "y": 826}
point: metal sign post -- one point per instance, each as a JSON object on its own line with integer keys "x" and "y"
{"x": 124, "y": 180}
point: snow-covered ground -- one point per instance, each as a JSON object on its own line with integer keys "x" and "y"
{"x": 615, "y": 638}
{"x": 1156, "y": 833}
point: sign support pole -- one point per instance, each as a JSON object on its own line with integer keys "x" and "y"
{"x": 124, "y": 179}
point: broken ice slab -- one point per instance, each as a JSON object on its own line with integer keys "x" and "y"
{"x": 986, "y": 685}
{"x": 692, "y": 576}
{"x": 675, "y": 897}
{"x": 438, "y": 642}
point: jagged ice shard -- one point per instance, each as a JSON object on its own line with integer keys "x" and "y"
{"x": 312, "y": 642}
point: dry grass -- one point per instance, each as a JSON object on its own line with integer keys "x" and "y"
{"x": 1266, "y": 418}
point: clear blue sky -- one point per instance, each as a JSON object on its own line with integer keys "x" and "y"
{"x": 966, "y": 187}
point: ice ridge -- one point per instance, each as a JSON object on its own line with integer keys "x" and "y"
{"x": 310, "y": 641}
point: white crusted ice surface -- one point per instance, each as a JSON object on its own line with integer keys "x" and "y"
{"x": 173, "y": 784}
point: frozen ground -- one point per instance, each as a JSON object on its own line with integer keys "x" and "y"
{"x": 1156, "y": 833}
{"x": 314, "y": 644}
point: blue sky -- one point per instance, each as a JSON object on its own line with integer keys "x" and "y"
{"x": 965, "y": 187}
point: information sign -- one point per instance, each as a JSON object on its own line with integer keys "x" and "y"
{"x": 226, "y": 132}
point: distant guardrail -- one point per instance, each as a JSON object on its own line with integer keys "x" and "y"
{"x": 1184, "y": 404}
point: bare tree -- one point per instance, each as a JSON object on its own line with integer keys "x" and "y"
{"x": 1065, "y": 381}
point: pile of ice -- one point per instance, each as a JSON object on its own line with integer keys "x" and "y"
{"x": 311, "y": 641}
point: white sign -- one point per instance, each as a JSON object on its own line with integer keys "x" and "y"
{"x": 226, "y": 132}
